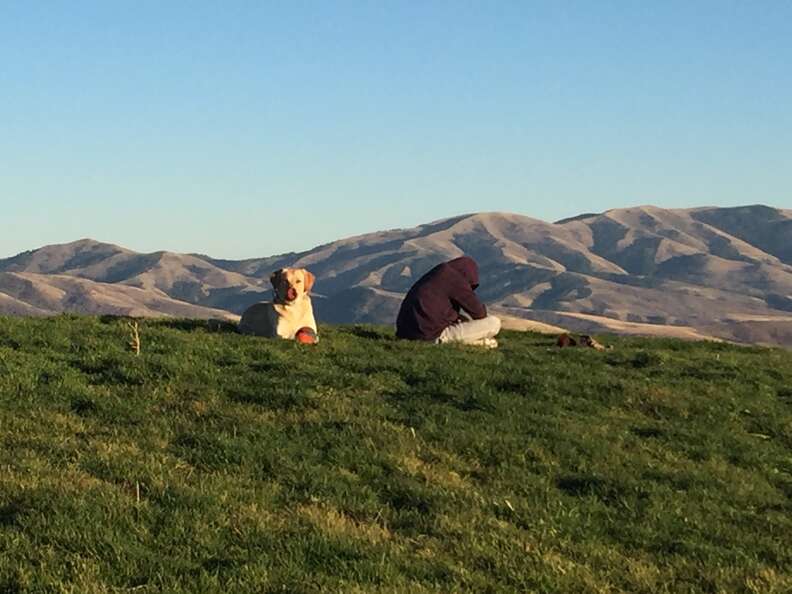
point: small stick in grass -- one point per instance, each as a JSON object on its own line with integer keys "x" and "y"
{"x": 134, "y": 344}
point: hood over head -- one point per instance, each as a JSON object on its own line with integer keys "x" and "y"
{"x": 467, "y": 267}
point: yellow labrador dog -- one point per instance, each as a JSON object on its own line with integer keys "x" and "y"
{"x": 289, "y": 310}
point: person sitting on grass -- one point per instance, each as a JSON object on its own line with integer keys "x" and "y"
{"x": 433, "y": 308}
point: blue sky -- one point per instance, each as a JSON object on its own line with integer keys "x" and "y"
{"x": 247, "y": 129}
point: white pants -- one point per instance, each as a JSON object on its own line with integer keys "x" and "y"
{"x": 472, "y": 331}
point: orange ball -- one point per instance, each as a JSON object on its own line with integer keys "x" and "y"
{"x": 306, "y": 335}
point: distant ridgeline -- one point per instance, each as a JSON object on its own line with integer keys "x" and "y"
{"x": 719, "y": 272}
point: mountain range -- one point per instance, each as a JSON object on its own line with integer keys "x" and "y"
{"x": 703, "y": 272}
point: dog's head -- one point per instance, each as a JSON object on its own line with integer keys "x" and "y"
{"x": 290, "y": 284}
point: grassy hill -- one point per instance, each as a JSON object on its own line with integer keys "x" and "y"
{"x": 215, "y": 462}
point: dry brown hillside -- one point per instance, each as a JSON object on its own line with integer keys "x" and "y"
{"x": 24, "y": 293}
{"x": 724, "y": 272}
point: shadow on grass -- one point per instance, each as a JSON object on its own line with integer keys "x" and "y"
{"x": 186, "y": 325}
{"x": 83, "y": 406}
{"x": 647, "y": 432}
{"x": 273, "y": 397}
{"x": 183, "y": 324}
{"x": 111, "y": 319}
{"x": 611, "y": 492}
{"x": 9, "y": 514}
{"x": 370, "y": 333}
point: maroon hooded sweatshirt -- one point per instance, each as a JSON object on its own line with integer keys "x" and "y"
{"x": 434, "y": 302}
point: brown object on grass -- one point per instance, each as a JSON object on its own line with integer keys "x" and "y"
{"x": 306, "y": 335}
{"x": 590, "y": 342}
{"x": 565, "y": 340}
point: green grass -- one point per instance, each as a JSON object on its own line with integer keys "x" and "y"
{"x": 221, "y": 463}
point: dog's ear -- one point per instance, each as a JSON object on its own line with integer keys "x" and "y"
{"x": 275, "y": 276}
{"x": 310, "y": 279}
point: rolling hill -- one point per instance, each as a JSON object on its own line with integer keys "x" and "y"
{"x": 721, "y": 272}
{"x": 215, "y": 462}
